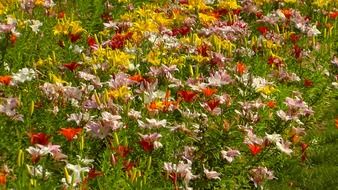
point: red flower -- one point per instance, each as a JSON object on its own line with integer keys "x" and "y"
{"x": 128, "y": 165}
{"x": 203, "y": 50}
{"x": 297, "y": 51}
{"x": 263, "y": 30}
{"x": 294, "y": 38}
{"x": 236, "y": 11}
{"x": 39, "y": 138}
{"x": 259, "y": 14}
{"x": 184, "y": 30}
{"x": 308, "y": 83}
{"x": 74, "y": 37}
{"x": 118, "y": 40}
{"x": 275, "y": 61}
{"x": 187, "y": 95}
{"x": 71, "y": 66}
{"x": 70, "y": 133}
{"x": 304, "y": 146}
{"x": 13, "y": 38}
{"x": 255, "y": 149}
{"x": 61, "y": 15}
{"x": 212, "y": 104}
{"x": 92, "y": 174}
{"x": 147, "y": 145}
{"x": 123, "y": 151}
{"x": 91, "y": 41}
{"x": 333, "y": 15}
{"x": 6, "y": 80}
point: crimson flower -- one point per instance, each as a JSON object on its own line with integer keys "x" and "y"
{"x": 91, "y": 42}
{"x": 71, "y": 66}
{"x": 184, "y": 30}
{"x": 39, "y": 138}
{"x": 304, "y": 146}
{"x": 187, "y": 95}
{"x": 70, "y": 133}
{"x": 203, "y": 50}
{"x": 308, "y": 83}
{"x": 294, "y": 38}
{"x": 212, "y": 104}
{"x": 74, "y": 37}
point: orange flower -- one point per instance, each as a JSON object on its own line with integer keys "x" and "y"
{"x": 287, "y": 13}
{"x": 136, "y": 78}
{"x": 240, "y": 68}
{"x": 271, "y": 104}
{"x": 3, "y": 179}
{"x": 209, "y": 91}
{"x": 5, "y": 79}
{"x": 337, "y": 123}
{"x": 70, "y": 133}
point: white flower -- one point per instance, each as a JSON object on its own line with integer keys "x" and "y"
{"x": 84, "y": 161}
{"x": 37, "y": 171}
{"x": 35, "y": 25}
{"x": 152, "y": 123}
{"x": 23, "y": 75}
{"x": 313, "y": 31}
{"x": 77, "y": 170}
{"x": 284, "y": 146}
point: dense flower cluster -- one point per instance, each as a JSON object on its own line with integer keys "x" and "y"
{"x": 193, "y": 93}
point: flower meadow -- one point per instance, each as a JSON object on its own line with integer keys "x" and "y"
{"x": 181, "y": 94}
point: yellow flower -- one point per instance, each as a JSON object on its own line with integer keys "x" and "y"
{"x": 220, "y": 44}
{"x": 39, "y": 2}
{"x": 290, "y": 1}
{"x": 206, "y": 19}
{"x": 60, "y": 28}
{"x": 57, "y": 79}
{"x": 199, "y": 4}
{"x": 121, "y": 92}
{"x": 153, "y": 57}
{"x": 261, "y": 2}
{"x": 267, "y": 90}
{"x": 142, "y": 26}
{"x": 321, "y": 3}
{"x": 75, "y": 27}
{"x": 119, "y": 58}
{"x": 229, "y": 4}
{"x": 193, "y": 40}
{"x": 199, "y": 58}
{"x": 2, "y": 9}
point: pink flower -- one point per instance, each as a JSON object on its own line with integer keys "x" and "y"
{"x": 260, "y": 174}
{"x": 230, "y": 154}
{"x": 212, "y": 174}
